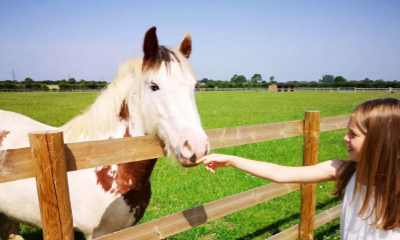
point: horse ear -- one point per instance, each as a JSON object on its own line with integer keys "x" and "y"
{"x": 185, "y": 47}
{"x": 150, "y": 44}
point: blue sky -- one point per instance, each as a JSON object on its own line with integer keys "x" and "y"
{"x": 292, "y": 40}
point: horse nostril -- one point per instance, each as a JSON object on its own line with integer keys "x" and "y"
{"x": 187, "y": 145}
{"x": 193, "y": 158}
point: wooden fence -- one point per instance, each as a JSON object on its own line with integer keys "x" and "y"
{"x": 47, "y": 147}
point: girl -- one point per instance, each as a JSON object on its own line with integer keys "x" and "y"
{"x": 370, "y": 180}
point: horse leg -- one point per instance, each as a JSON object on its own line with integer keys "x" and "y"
{"x": 9, "y": 228}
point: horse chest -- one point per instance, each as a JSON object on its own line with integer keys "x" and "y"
{"x": 130, "y": 181}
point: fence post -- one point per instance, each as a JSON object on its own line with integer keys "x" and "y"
{"x": 308, "y": 190}
{"x": 48, "y": 154}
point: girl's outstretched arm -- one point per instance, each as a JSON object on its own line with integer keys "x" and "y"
{"x": 322, "y": 172}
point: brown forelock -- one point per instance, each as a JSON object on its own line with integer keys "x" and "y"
{"x": 165, "y": 55}
{"x": 186, "y": 47}
{"x": 124, "y": 112}
{"x": 378, "y": 170}
{"x": 3, "y": 135}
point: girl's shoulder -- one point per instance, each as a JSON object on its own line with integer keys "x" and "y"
{"x": 334, "y": 166}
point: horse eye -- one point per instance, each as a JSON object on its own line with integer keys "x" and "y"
{"x": 154, "y": 87}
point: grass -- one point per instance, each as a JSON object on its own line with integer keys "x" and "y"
{"x": 176, "y": 189}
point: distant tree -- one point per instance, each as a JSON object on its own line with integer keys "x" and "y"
{"x": 367, "y": 80}
{"x": 64, "y": 85}
{"x": 271, "y": 79}
{"x": 204, "y": 80}
{"x": 238, "y": 79}
{"x": 44, "y": 87}
{"x": 264, "y": 81}
{"x": 241, "y": 79}
{"x": 327, "y": 78}
{"x": 233, "y": 79}
{"x": 211, "y": 84}
{"x": 256, "y": 78}
{"x": 92, "y": 85}
{"x": 8, "y": 85}
{"x": 28, "y": 80}
{"x": 380, "y": 83}
{"x": 339, "y": 79}
{"x": 71, "y": 81}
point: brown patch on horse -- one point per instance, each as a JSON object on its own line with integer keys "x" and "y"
{"x": 127, "y": 133}
{"x": 124, "y": 112}
{"x": 3, "y": 135}
{"x": 155, "y": 55}
{"x": 104, "y": 179}
{"x": 133, "y": 181}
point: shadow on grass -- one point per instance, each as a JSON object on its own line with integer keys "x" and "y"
{"x": 273, "y": 228}
{"x": 331, "y": 230}
{"x": 30, "y": 233}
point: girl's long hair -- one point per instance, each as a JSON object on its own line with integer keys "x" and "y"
{"x": 378, "y": 170}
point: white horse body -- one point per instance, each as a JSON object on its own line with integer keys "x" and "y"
{"x": 90, "y": 203}
{"x": 146, "y": 98}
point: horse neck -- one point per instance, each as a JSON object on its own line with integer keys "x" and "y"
{"x": 115, "y": 109}
{"x": 112, "y": 110}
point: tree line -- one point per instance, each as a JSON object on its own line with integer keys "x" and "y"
{"x": 327, "y": 81}
{"x": 63, "y": 84}
{"x": 237, "y": 81}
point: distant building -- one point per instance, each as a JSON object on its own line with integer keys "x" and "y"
{"x": 281, "y": 87}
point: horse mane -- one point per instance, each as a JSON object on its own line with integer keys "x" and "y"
{"x": 102, "y": 117}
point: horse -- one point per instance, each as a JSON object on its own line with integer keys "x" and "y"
{"x": 153, "y": 95}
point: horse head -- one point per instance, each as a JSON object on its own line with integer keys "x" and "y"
{"x": 168, "y": 99}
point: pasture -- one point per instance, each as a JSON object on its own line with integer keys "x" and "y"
{"x": 176, "y": 189}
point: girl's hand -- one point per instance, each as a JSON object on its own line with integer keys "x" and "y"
{"x": 214, "y": 161}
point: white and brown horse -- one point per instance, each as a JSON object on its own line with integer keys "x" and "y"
{"x": 153, "y": 95}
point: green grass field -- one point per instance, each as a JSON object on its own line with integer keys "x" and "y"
{"x": 176, "y": 189}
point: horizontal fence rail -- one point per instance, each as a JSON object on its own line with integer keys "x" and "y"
{"x": 321, "y": 219}
{"x": 352, "y": 89}
{"x": 178, "y": 222}
{"x": 16, "y": 164}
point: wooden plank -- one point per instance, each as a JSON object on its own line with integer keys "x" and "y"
{"x": 17, "y": 164}
{"x": 334, "y": 123}
{"x": 321, "y": 219}
{"x": 178, "y": 222}
{"x": 327, "y": 216}
{"x": 308, "y": 190}
{"x": 235, "y": 136}
{"x": 52, "y": 184}
{"x": 291, "y": 233}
